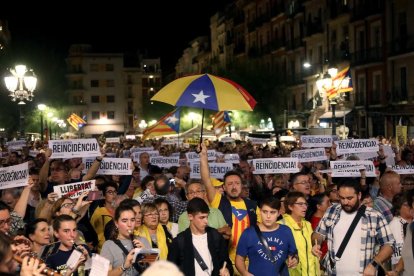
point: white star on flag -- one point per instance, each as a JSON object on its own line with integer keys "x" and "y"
{"x": 200, "y": 97}
{"x": 172, "y": 119}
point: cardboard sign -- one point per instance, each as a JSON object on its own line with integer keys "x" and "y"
{"x": 74, "y": 190}
{"x": 14, "y": 176}
{"x": 110, "y": 166}
{"x": 74, "y": 148}
{"x": 356, "y": 145}
{"x": 352, "y": 168}
{"x": 165, "y": 162}
{"x": 316, "y": 141}
{"x": 309, "y": 155}
{"x": 217, "y": 170}
{"x": 275, "y": 165}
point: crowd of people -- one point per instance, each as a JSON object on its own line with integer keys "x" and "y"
{"x": 242, "y": 223}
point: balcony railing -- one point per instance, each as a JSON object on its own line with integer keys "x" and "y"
{"x": 401, "y": 45}
{"x": 369, "y": 8}
{"x": 367, "y": 56}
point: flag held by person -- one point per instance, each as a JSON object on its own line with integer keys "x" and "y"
{"x": 220, "y": 122}
{"x": 75, "y": 121}
{"x": 169, "y": 124}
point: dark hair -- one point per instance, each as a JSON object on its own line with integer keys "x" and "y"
{"x": 271, "y": 202}
{"x": 130, "y": 202}
{"x": 159, "y": 201}
{"x": 33, "y": 171}
{"x": 230, "y": 173}
{"x": 314, "y": 201}
{"x": 348, "y": 182}
{"x": 106, "y": 185}
{"x": 4, "y": 206}
{"x": 197, "y": 205}
{"x": 397, "y": 202}
{"x": 291, "y": 198}
{"x": 5, "y": 245}
{"x": 120, "y": 209}
{"x": 295, "y": 176}
{"x": 59, "y": 219}
{"x": 162, "y": 190}
{"x": 32, "y": 226}
{"x": 145, "y": 181}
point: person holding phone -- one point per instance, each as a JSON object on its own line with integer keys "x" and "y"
{"x": 282, "y": 252}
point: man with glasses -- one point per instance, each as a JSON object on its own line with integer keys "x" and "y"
{"x": 215, "y": 218}
{"x": 371, "y": 232}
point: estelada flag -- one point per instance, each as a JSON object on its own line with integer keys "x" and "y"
{"x": 340, "y": 83}
{"x": 75, "y": 121}
{"x": 169, "y": 124}
{"x": 220, "y": 121}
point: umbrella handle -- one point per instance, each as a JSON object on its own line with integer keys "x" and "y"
{"x": 201, "y": 135}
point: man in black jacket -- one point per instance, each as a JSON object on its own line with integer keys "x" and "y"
{"x": 200, "y": 250}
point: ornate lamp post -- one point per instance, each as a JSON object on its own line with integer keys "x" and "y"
{"x": 324, "y": 85}
{"x": 41, "y": 107}
{"x": 21, "y": 83}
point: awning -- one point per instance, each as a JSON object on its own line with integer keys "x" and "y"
{"x": 338, "y": 114}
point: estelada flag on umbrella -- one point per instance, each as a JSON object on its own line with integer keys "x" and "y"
{"x": 220, "y": 122}
{"x": 75, "y": 121}
{"x": 169, "y": 124}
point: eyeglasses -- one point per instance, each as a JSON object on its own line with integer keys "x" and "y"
{"x": 67, "y": 205}
{"x": 196, "y": 192}
{"x": 151, "y": 215}
{"x": 2, "y": 222}
{"x": 301, "y": 204}
{"x": 110, "y": 192}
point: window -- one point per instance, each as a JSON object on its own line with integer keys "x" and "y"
{"x": 376, "y": 87}
{"x": 403, "y": 83}
{"x": 360, "y": 94}
{"x": 94, "y": 99}
{"x": 94, "y": 67}
{"x": 94, "y": 83}
{"x": 96, "y": 115}
{"x": 110, "y": 115}
{"x": 109, "y": 67}
{"x": 110, "y": 83}
{"x": 110, "y": 98}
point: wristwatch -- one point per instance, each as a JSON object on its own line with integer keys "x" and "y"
{"x": 375, "y": 264}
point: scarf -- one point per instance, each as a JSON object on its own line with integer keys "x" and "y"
{"x": 161, "y": 239}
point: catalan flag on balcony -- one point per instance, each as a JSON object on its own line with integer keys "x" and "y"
{"x": 169, "y": 124}
{"x": 341, "y": 83}
{"x": 220, "y": 121}
{"x": 75, "y": 121}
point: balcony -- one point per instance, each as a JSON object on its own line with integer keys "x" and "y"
{"x": 277, "y": 9}
{"x": 298, "y": 42}
{"x": 277, "y": 44}
{"x": 367, "y": 56}
{"x": 401, "y": 45}
{"x": 399, "y": 95}
{"x": 369, "y": 8}
{"x": 313, "y": 27}
{"x": 337, "y": 8}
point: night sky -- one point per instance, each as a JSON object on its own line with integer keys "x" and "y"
{"x": 160, "y": 28}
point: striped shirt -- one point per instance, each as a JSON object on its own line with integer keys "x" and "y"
{"x": 383, "y": 206}
{"x": 374, "y": 232}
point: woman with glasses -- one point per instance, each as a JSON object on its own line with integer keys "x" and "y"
{"x": 153, "y": 231}
{"x": 296, "y": 206}
{"x": 119, "y": 248}
{"x": 165, "y": 210}
{"x": 102, "y": 215}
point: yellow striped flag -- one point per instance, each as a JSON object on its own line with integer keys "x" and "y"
{"x": 340, "y": 83}
{"x": 221, "y": 120}
{"x": 75, "y": 121}
{"x": 169, "y": 124}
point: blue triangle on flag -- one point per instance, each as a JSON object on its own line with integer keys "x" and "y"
{"x": 226, "y": 117}
{"x": 173, "y": 121}
{"x": 200, "y": 93}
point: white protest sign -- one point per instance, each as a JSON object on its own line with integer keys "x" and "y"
{"x": 175, "y": 154}
{"x": 316, "y": 141}
{"x": 352, "y": 168}
{"x": 389, "y": 152}
{"x": 126, "y": 153}
{"x": 15, "y": 145}
{"x": 74, "y": 148}
{"x": 110, "y": 154}
{"x": 217, "y": 170}
{"x": 233, "y": 158}
{"x": 275, "y": 165}
{"x": 227, "y": 140}
{"x": 165, "y": 162}
{"x": 130, "y": 137}
{"x": 14, "y": 176}
{"x": 193, "y": 156}
{"x": 258, "y": 141}
{"x": 109, "y": 166}
{"x": 141, "y": 149}
{"x": 409, "y": 169}
{"x": 151, "y": 153}
{"x": 356, "y": 145}
{"x": 172, "y": 141}
{"x": 361, "y": 155}
{"x": 112, "y": 140}
{"x": 33, "y": 153}
{"x": 309, "y": 155}
{"x": 74, "y": 190}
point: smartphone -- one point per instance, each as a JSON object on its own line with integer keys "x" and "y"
{"x": 94, "y": 195}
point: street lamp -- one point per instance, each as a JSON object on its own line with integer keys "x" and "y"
{"x": 21, "y": 83}
{"x": 192, "y": 116}
{"x": 41, "y": 107}
{"x": 142, "y": 125}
